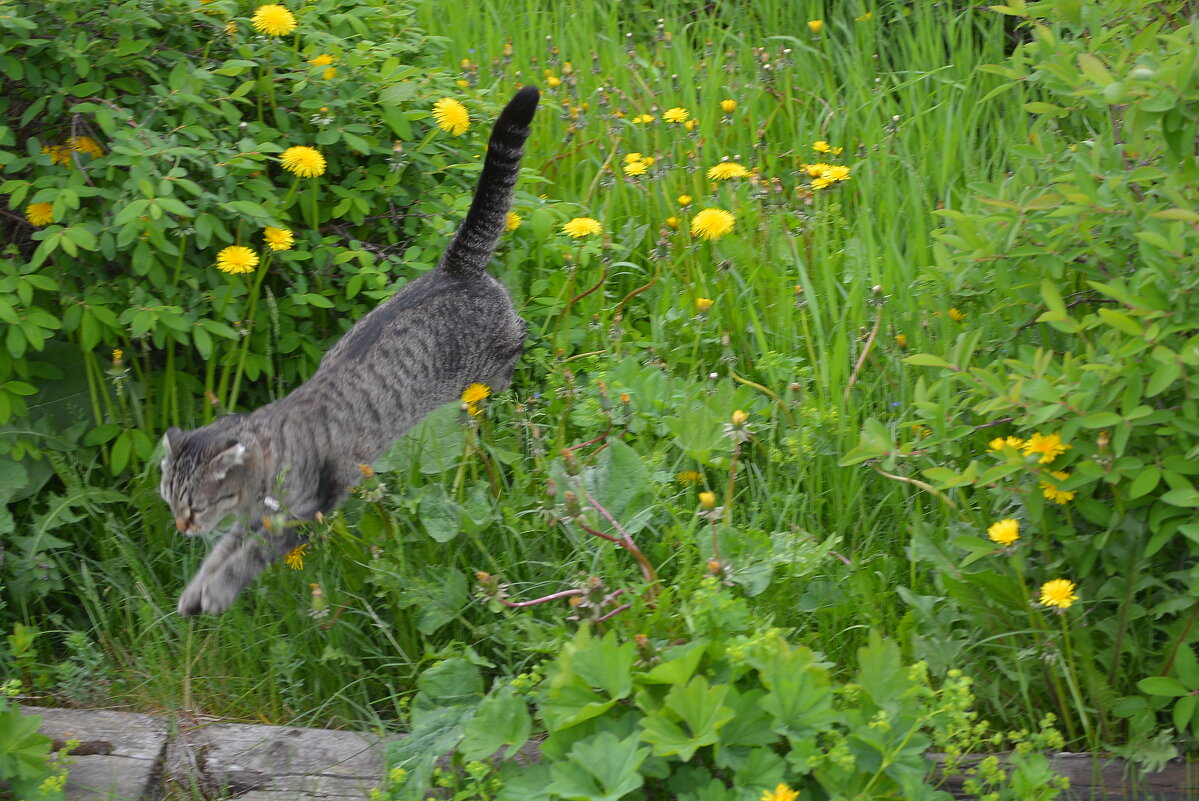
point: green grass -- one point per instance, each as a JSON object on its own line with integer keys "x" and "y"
{"x": 798, "y": 287}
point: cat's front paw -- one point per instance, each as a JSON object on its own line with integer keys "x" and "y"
{"x": 206, "y": 595}
{"x": 190, "y": 602}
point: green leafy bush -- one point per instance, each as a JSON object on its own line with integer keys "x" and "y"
{"x": 718, "y": 714}
{"x": 1080, "y": 427}
{"x": 137, "y": 149}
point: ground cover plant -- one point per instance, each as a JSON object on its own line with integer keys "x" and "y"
{"x": 870, "y": 326}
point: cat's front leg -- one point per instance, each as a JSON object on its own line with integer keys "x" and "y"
{"x": 255, "y": 551}
{"x": 191, "y": 601}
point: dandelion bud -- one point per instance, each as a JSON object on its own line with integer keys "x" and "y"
{"x": 707, "y": 500}
{"x": 702, "y": 305}
{"x": 642, "y": 640}
{"x": 551, "y": 488}
{"x": 739, "y": 418}
{"x": 572, "y": 464}
{"x": 901, "y": 340}
{"x": 714, "y": 566}
{"x": 117, "y": 356}
{"x": 728, "y": 105}
{"x": 572, "y": 504}
{"x": 366, "y": 470}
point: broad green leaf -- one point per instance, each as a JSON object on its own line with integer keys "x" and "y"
{"x": 501, "y": 719}
{"x": 607, "y": 665}
{"x": 929, "y": 360}
{"x": 1162, "y": 685}
{"x": 601, "y": 768}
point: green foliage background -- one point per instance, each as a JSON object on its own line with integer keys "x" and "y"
{"x": 1011, "y": 255}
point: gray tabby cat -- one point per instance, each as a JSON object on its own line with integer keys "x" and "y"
{"x": 297, "y": 456}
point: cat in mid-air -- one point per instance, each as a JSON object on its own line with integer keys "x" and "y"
{"x": 297, "y": 456}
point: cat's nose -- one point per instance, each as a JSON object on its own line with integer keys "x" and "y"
{"x": 181, "y": 524}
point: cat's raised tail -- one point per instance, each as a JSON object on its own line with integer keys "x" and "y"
{"x": 475, "y": 241}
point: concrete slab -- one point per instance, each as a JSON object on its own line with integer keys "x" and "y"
{"x": 119, "y": 756}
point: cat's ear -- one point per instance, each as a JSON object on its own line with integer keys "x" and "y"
{"x": 170, "y": 440}
{"x": 238, "y": 454}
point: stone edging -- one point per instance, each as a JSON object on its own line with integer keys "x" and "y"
{"x": 124, "y": 756}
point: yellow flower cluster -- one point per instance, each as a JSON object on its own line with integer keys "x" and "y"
{"x": 637, "y": 164}
{"x": 278, "y": 238}
{"x": 512, "y": 222}
{"x": 824, "y": 175}
{"x": 61, "y": 154}
{"x": 295, "y": 557}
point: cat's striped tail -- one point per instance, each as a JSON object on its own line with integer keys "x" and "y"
{"x": 475, "y": 241}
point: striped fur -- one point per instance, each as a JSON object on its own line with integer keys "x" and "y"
{"x": 295, "y": 458}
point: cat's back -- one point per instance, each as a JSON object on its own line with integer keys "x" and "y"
{"x": 428, "y": 321}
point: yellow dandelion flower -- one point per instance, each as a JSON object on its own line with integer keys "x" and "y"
{"x": 512, "y": 222}
{"x": 641, "y": 119}
{"x": 118, "y": 356}
{"x": 295, "y": 557}
{"x": 956, "y": 315}
{"x": 780, "y": 793}
{"x": 685, "y": 200}
{"x": 59, "y": 154}
{"x": 635, "y": 168}
{"x": 702, "y": 305}
{"x": 836, "y": 172}
{"x": 304, "y": 161}
{"x": 85, "y": 144}
{"x": 691, "y": 124}
{"x": 1051, "y": 491}
{"x": 329, "y": 74}
{"x": 1049, "y": 446}
{"x": 580, "y": 227}
{"x": 817, "y": 169}
{"x": 1059, "y": 593}
{"x": 901, "y": 340}
{"x": 231, "y": 28}
{"x": 728, "y": 106}
{"x": 451, "y": 116}
{"x": 273, "y": 20}
{"x": 707, "y": 500}
{"x": 40, "y": 213}
{"x": 676, "y": 114}
{"x": 726, "y": 170}
{"x": 553, "y": 82}
{"x": 236, "y": 259}
{"x": 278, "y": 238}
{"x": 690, "y": 477}
{"x": 821, "y": 146}
{"x": 672, "y": 221}
{"x": 1005, "y": 532}
{"x": 712, "y": 223}
{"x": 648, "y": 161}
{"x": 999, "y": 443}
{"x": 322, "y": 60}
{"x": 473, "y": 395}
{"x": 629, "y": 158}
{"x": 462, "y": 83}
{"x": 815, "y": 25}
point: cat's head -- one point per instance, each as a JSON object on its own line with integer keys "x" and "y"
{"x": 209, "y": 474}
